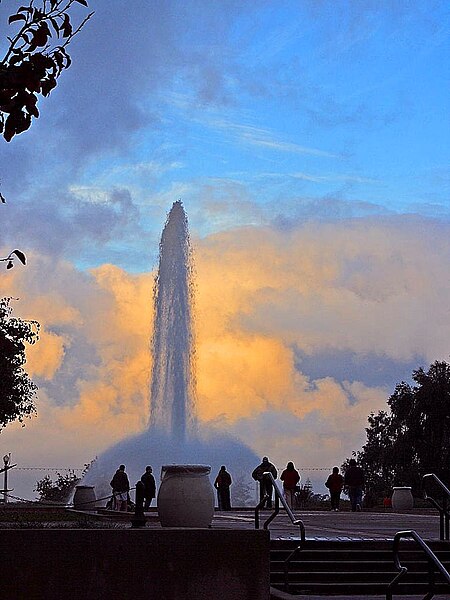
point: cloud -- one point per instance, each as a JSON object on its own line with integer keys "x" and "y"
{"x": 257, "y": 136}
{"x": 68, "y": 224}
{"x": 268, "y": 305}
{"x": 324, "y": 436}
{"x": 322, "y": 178}
{"x": 363, "y": 286}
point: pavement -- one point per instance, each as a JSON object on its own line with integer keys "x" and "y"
{"x": 345, "y": 526}
{"x": 319, "y": 525}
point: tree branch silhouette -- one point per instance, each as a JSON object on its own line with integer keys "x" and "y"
{"x": 33, "y": 63}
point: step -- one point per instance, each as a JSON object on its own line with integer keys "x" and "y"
{"x": 354, "y": 567}
{"x": 289, "y": 544}
{"x": 346, "y": 566}
{"x": 357, "y": 557}
{"x": 351, "y": 577}
{"x": 354, "y": 554}
{"x": 361, "y": 589}
{"x": 337, "y": 565}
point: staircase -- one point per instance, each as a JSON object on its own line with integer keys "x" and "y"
{"x": 354, "y": 567}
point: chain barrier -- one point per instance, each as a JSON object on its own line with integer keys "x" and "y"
{"x": 82, "y": 468}
{"x": 50, "y": 469}
{"x": 66, "y": 505}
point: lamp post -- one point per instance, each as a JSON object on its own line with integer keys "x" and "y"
{"x": 8, "y": 465}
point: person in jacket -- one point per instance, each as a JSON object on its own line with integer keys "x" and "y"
{"x": 265, "y": 485}
{"x": 149, "y": 486}
{"x": 222, "y": 485}
{"x": 290, "y": 478}
{"x": 335, "y": 483}
{"x": 354, "y": 482}
{"x": 120, "y": 486}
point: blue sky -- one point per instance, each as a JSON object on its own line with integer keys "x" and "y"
{"x": 309, "y": 142}
{"x": 300, "y": 109}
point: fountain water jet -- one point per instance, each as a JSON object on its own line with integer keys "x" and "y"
{"x": 172, "y": 389}
{"x": 173, "y": 435}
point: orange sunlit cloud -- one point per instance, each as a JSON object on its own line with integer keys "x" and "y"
{"x": 260, "y": 294}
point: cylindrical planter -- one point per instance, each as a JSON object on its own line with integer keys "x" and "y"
{"x": 185, "y": 496}
{"x": 84, "y": 497}
{"x": 402, "y": 498}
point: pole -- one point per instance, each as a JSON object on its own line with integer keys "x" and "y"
{"x": 5, "y": 487}
{"x": 8, "y": 465}
{"x": 6, "y": 461}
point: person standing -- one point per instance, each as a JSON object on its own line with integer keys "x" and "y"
{"x": 265, "y": 484}
{"x": 222, "y": 485}
{"x": 120, "y": 486}
{"x": 149, "y": 486}
{"x": 335, "y": 483}
{"x": 290, "y": 478}
{"x": 354, "y": 482}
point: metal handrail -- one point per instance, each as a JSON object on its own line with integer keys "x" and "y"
{"x": 444, "y": 514}
{"x": 287, "y": 564}
{"x": 278, "y": 497}
{"x": 258, "y": 508}
{"x": 294, "y": 520}
{"x": 433, "y": 563}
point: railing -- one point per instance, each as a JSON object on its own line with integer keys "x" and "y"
{"x": 444, "y": 515}
{"x": 433, "y": 564}
{"x": 279, "y": 496}
{"x": 287, "y": 563}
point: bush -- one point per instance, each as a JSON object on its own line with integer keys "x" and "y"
{"x": 58, "y": 490}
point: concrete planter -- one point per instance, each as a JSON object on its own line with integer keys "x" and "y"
{"x": 185, "y": 496}
{"x": 402, "y": 499}
{"x": 84, "y": 497}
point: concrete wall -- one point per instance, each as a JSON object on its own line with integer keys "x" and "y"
{"x": 128, "y": 564}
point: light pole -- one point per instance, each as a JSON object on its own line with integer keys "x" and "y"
{"x": 8, "y": 465}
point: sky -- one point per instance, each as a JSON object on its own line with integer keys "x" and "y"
{"x": 309, "y": 143}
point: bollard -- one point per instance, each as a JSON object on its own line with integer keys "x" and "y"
{"x": 139, "y": 519}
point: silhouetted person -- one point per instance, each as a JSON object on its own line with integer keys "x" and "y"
{"x": 354, "y": 482}
{"x": 120, "y": 486}
{"x": 335, "y": 483}
{"x": 265, "y": 485}
{"x": 222, "y": 485}
{"x": 149, "y": 487}
{"x": 290, "y": 478}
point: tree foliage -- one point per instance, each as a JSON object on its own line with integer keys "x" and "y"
{"x": 59, "y": 490}
{"x": 17, "y": 391}
{"x": 305, "y": 493}
{"x": 241, "y": 492}
{"x": 412, "y": 437}
{"x": 36, "y": 57}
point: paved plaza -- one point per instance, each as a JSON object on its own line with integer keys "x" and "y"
{"x": 321, "y": 525}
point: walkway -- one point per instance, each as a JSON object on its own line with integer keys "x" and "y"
{"x": 337, "y": 525}
{"x": 319, "y": 525}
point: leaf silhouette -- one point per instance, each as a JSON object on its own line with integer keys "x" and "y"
{"x": 33, "y": 61}
{"x": 18, "y": 17}
{"x": 20, "y": 255}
